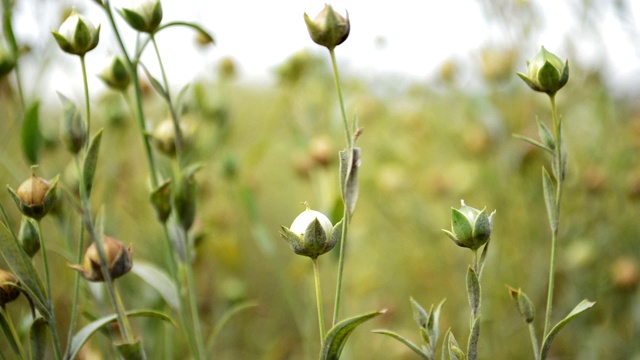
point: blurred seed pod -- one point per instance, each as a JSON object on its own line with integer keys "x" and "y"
{"x": 29, "y": 237}
{"x": 119, "y": 260}
{"x": 625, "y": 273}
{"x": 8, "y": 292}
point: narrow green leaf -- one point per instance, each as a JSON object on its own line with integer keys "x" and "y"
{"x": 550, "y": 200}
{"x": 179, "y": 103}
{"x": 405, "y": 341}
{"x": 81, "y": 337}
{"x": 483, "y": 258}
{"x": 156, "y": 84}
{"x": 545, "y": 135}
{"x": 38, "y": 338}
{"x": 23, "y": 269}
{"x": 131, "y": 351}
{"x": 473, "y": 290}
{"x": 533, "y": 142}
{"x": 159, "y": 280}
{"x": 583, "y": 306}
{"x": 474, "y": 336}
{"x": 10, "y": 333}
{"x": 30, "y": 134}
{"x": 91, "y": 160}
{"x": 226, "y": 316}
{"x": 420, "y": 315}
{"x": 337, "y": 337}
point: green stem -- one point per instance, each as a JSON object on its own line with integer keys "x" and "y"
{"x": 193, "y": 304}
{"x": 343, "y": 244}
{"x": 175, "y": 275}
{"x": 336, "y": 77}
{"x": 86, "y": 97}
{"x": 316, "y": 273}
{"x": 534, "y": 341}
{"x": 174, "y": 115}
{"x": 559, "y": 175}
{"x": 138, "y": 110}
{"x": 52, "y": 322}
{"x": 13, "y": 332}
{"x": 76, "y": 280}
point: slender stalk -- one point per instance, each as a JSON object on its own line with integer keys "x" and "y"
{"x": 174, "y": 115}
{"x": 316, "y": 273}
{"x": 76, "y": 280}
{"x": 12, "y": 329}
{"x": 534, "y": 341}
{"x": 345, "y": 217}
{"x": 343, "y": 244}
{"x": 336, "y": 77}
{"x": 138, "y": 110}
{"x": 558, "y": 172}
{"x": 195, "y": 318}
{"x": 52, "y": 324}
{"x": 86, "y": 97}
{"x": 19, "y": 85}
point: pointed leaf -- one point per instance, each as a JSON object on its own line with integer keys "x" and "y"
{"x": 405, "y": 341}
{"x": 38, "y": 338}
{"x": 533, "y": 142}
{"x": 23, "y": 269}
{"x": 228, "y": 315}
{"x": 81, "y": 337}
{"x": 91, "y": 161}
{"x": 433, "y": 326}
{"x": 583, "y": 306}
{"x": 473, "y": 290}
{"x": 131, "y": 351}
{"x": 156, "y": 84}
{"x": 420, "y": 315}
{"x": 483, "y": 255}
{"x": 545, "y": 135}
{"x": 474, "y": 335}
{"x": 179, "y": 103}
{"x": 337, "y": 337}
{"x": 30, "y": 134}
{"x": 550, "y": 200}
{"x": 159, "y": 280}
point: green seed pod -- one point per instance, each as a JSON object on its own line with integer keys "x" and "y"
{"x": 77, "y": 35}
{"x": 546, "y": 73}
{"x": 73, "y": 129}
{"x": 524, "y": 305}
{"x": 8, "y": 290}
{"x": 184, "y": 197}
{"x": 29, "y": 237}
{"x": 115, "y": 74}
{"x": 161, "y": 200}
{"x": 143, "y": 15}
{"x": 311, "y": 234}
{"x": 35, "y": 196}
{"x": 329, "y": 28}
{"x": 164, "y": 136}
{"x": 470, "y": 227}
{"x": 119, "y": 260}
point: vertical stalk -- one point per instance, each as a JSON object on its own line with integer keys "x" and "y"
{"x": 559, "y": 175}
{"x": 174, "y": 116}
{"x": 86, "y": 97}
{"x": 336, "y": 77}
{"x": 345, "y": 217}
{"x": 534, "y": 341}
{"x": 52, "y": 324}
{"x": 14, "y": 334}
{"x": 316, "y": 274}
{"x": 193, "y": 304}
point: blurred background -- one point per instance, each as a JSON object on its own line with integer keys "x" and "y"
{"x": 434, "y": 88}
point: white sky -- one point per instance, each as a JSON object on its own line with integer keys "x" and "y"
{"x": 419, "y": 36}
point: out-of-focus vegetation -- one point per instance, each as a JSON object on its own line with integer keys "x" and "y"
{"x": 426, "y": 145}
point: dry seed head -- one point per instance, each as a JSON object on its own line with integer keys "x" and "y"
{"x": 119, "y": 260}
{"x": 8, "y": 292}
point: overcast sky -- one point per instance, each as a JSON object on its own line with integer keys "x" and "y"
{"x": 418, "y": 35}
